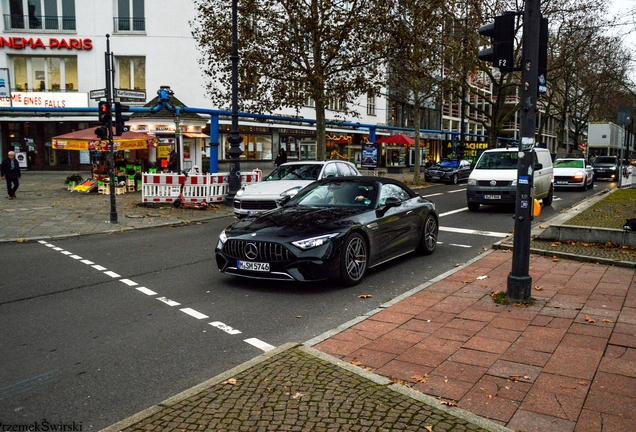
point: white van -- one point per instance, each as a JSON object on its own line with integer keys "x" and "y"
{"x": 494, "y": 178}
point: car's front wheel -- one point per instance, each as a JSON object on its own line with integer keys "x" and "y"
{"x": 454, "y": 179}
{"x": 428, "y": 240}
{"x": 547, "y": 201}
{"x": 354, "y": 258}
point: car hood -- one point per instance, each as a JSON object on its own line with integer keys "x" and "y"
{"x": 272, "y": 188}
{"x": 567, "y": 171}
{"x": 296, "y": 222}
{"x": 442, "y": 168}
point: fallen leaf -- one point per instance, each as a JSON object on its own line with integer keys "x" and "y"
{"x": 429, "y": 428}
{"x": 583, "y": 383}
{"x": 399, "y": 381}
{"x": 419, "y": 378}
{"x": 507, "y": 251}
{"x": 538, "y": 288}
{"x": 364, "y": 296}
{"x": 457, "y": 265}
{"x": 485, "y": 248}
{"x": 466, "y": 281}
{"x": 231, "y": 381}
{"x": 299, "y": 316}
{"x": 297, "y": 395}
{"x": 607, "y": 321}
{"x": 589, "y": 319}
{"x": 449, "y": 403}
{"x": 542, "y": 226}
{"x": 355, "y": 363}
{"x": 482, "y": 277}
{"x": 555, "y": 244}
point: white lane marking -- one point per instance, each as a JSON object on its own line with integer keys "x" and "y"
{"x": 42, "y": 242}
{"x": 259, "y": 344}
{"x": 65, "y": 252}
{"x": 112, "y": 274}
{"x": 458, "y": 190}
{"x": 432, "y": 195}
{"x": 193, "y": 313}
{"x": 454, "y": 211}
{"x": 57, "y": 248}
{"x": 226, "y": 328}
{"x": 168, "y": 301}
{"x": 477, "y": 232}
{"x": 459, "y": 245}
{"x": 50, "y": 245}
{"x": 146, "y": 291}
{"x": 98, "y": 267}
{"x": 77, "y": 257}
{"x": 88, "y": 262}
{"x": 128, "y": 282}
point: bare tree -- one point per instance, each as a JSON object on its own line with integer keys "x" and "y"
{"x": 294, "y": 51}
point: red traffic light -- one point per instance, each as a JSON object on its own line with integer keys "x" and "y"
{"x": 105, "y": 111}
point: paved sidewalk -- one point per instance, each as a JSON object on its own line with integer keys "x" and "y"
{"x": 442, "y": 357}
{"x": 44, "y": 208}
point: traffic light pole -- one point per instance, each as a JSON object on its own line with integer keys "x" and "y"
{"x": 110, "y": 72}
{"x": 519, "y": 281}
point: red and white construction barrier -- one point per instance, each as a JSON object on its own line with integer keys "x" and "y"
{"x": 164, "y": 188}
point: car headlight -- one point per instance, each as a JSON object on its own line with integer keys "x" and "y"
{"x": 514, "y": 183}
{"x": 291, "y": 192}
{"x": 472, "y": 182}
{"x": 578, "y": 176}
{"x": 314, "y": 241}
{"x": 613, "y": 168}
{"x": 240, "y": 191}
{"x": 222, "y": 237}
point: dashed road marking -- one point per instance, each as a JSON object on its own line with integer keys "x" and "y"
{"x": 259, "y": 344}
{"x": 476, "y": 232}
{"x": 189, "y": 311}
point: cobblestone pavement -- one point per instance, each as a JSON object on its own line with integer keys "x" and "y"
{"x": 296, "y": 390}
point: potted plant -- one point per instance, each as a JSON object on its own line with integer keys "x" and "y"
{"x": 131, "y": 172}
{"x": 73, "y": 180}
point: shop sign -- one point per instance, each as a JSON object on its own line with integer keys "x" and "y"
{"x": 18, "y": 42}
{"x": 46, "y": 100}
{"x": 369, "y": 155}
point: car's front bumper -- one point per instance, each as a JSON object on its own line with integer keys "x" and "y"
{"x": 285, "y": 264}
{"x": 493, "y": 195}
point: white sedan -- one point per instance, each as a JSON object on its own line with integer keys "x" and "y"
{"x": 573, "y": 173}
{"x": 287, "y": 180}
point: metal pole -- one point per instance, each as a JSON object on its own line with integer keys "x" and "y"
{"x": 234, "y": 139}
{"x": 111, "y": 154}
{"x": 519, "y": 281}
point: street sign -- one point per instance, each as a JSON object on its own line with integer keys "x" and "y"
{"x": 130, "y": 94}
{"x": 97, "y": 94}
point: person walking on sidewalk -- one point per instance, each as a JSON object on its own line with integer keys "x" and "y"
{"x": 10, "y": 170}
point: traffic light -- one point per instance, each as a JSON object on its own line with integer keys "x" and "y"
{"x": 120, "y": 120}
{"x": 105, "y": 113}
{"x": 502, "y": 32}
{"x": 102, "y": 132}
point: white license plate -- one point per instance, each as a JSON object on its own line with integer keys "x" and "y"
{"x": 561, "y": 182}
{"x": 492, "y": 197}
{"x": 253, "y": 266}
{"x": 435, "y": 177}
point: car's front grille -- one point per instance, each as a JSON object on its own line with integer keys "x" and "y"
{"x": 255, "y": 205}
{"x": 256, "y": 251}
{"x": 563, "y": 179}
{"x": 498, "y": 183}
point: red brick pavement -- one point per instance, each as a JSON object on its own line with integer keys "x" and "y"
{"x": 565, "y": 363}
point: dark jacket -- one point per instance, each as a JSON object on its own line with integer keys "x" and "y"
{"x": 173, "y": 163}
{"x": 281, "y": 158}
{"x": 6, "y": 170}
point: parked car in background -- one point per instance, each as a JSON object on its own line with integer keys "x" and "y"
{"x": 573, "y": 173}
{"x": 449, "y": 171}
{"x": 335, "y": 228}
{"x": 494, "y": 178}
{"x": 287, "y": 180}
{"x": 605, "y": 167}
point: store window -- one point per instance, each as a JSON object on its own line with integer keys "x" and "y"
{"x": 44, "y": 73}
{"x": 41, "y": 15}
{"x": 370, "y": 104}
{"x": 131, "y": 73}
{"x": 254, "y": 147}
{"x": 130, "y": 16}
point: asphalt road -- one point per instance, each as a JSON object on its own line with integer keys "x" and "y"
{"x": 81, "y": 344}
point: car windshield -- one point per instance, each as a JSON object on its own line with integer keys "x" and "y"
{"x": 449, "y": 163}
{"x": 338, "y": 194}
{"x": 498, "y": 160}
{"x": 568, "y": 163}
{"x": 295, "y": 172}
{"x": 605, "y": 160}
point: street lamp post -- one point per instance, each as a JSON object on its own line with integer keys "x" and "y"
{"x": 234, "y": 139}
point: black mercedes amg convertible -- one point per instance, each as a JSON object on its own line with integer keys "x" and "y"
{"x": 335, "y": 228}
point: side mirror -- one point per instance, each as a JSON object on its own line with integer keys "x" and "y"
{"x": 538, "y": 166}
{"x": 284, "y": 200}
{"x": 391, "y": 202}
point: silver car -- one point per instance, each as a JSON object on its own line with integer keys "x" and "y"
{"x": 287, "y": 180}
